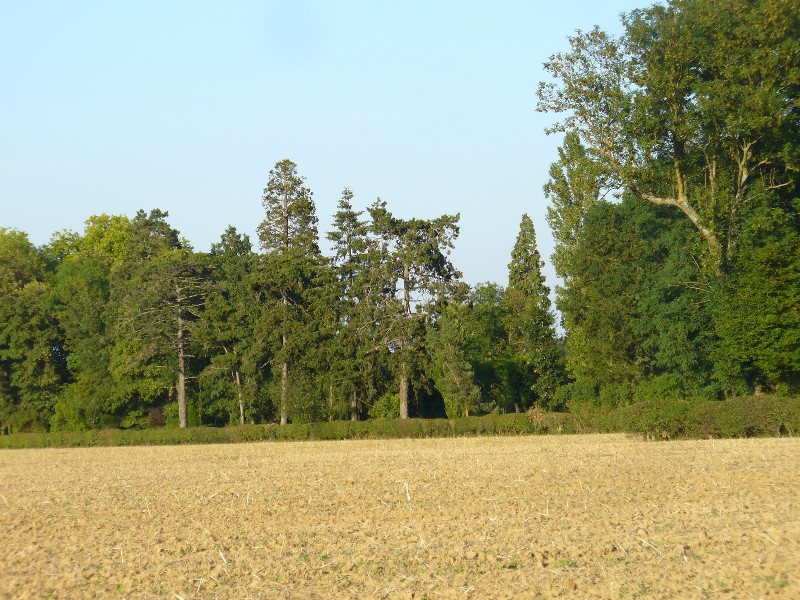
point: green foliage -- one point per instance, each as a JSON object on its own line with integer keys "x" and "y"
{"x": 573, "y": 189}
{"x": 577, "y": 394}
{"x": 694, "y": 107}
{"x": 290, "y": 224}
{"x": 32, "y": 357}
{"x": 173, "y": 420}
{"x": 386, "y": 407}
{"x": 530, "y": 324}
{"x": 758, "y": 319}
{"x": 416, "y": 253}
{"x": 156, "y": 296}
{"x": 452, "y": 372}
{"x": 736, "y": 417}
{"x": 231, "y": 386}
{"x": 677, "y": 225}
{"x": 599, "y": 305}
{"x": 748, "y": 416}
{"x": 511, "y": 424}
{"x": 287, "y": 277}
{"x": 360, "y": 313}
{"x": 654, "y": 419}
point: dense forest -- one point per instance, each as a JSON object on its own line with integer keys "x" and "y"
{"x": 674, "y": 202}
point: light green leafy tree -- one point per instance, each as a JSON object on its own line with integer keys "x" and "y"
{"x": 81, "y": 285}
{"x": 32, "y": 358}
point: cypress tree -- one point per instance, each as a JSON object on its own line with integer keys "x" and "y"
{"x": 531, "y": 324}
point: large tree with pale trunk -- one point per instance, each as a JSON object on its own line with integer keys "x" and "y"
{"x": 695, "y": 106}
{"x": 416, "y": 252}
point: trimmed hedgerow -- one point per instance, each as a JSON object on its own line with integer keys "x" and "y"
{"x": 738, "y": 417}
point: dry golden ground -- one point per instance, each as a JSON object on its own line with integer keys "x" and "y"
{"x": 601, "y": 516}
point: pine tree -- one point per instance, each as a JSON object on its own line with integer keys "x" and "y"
{"x": 353, "y": 304}
{"x": 417, "y": 254}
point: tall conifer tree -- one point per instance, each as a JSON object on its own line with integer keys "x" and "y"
{"x": 531, "y": 325}
{"x": 289, "y": 235}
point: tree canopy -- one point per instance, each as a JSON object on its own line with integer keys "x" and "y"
{"x": 674, "y": 207}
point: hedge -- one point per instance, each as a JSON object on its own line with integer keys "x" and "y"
{"x": 738, "y": 417}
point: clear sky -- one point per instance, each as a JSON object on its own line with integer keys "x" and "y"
{"x": 109, "y": 107}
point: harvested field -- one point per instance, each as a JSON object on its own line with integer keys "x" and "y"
{"x": 575, "y": 516}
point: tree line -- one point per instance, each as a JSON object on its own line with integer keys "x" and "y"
{"x": 125, "y": 325}
{"x": 673, "y": 202}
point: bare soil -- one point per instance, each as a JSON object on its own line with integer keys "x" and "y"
{"x": 530, "y": 517}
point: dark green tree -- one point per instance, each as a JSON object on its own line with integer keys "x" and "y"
{"x": 451, "y": 367}
{"x": 32, "y": 358}
{"x": 289, "y": 235}
{"x": 758, "y": 320}
{"x": 486, "y": 339}
{"x": 362, "y": 277}
{"x": 530, "y": 322}
{"x": 230, "y": 381}
{"x": 599, "y": 306}
{"x": 157, "y": 294}
{"x": 417, "y": 254}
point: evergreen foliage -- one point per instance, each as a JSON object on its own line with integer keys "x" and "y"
{"x": 531, "y": 324}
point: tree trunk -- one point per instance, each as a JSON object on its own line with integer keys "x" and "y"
{"x": 403, "y": 392}
{"x": 182, "y": 408}
{"x": 183, "y": 420}
{"x": 354, "y": 407}
{"x": 240, "y": 394}
{"x": 284, "y": 391}
{"x": 403, "y": 365}
{"x": 284, "y": 370}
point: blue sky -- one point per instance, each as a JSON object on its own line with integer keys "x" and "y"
{"x": 109, "y": 107}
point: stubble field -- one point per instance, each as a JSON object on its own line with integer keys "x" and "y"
{"x": 574, "y": 516}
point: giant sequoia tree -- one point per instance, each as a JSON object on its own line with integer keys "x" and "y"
{"x": 289, "y": 235}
